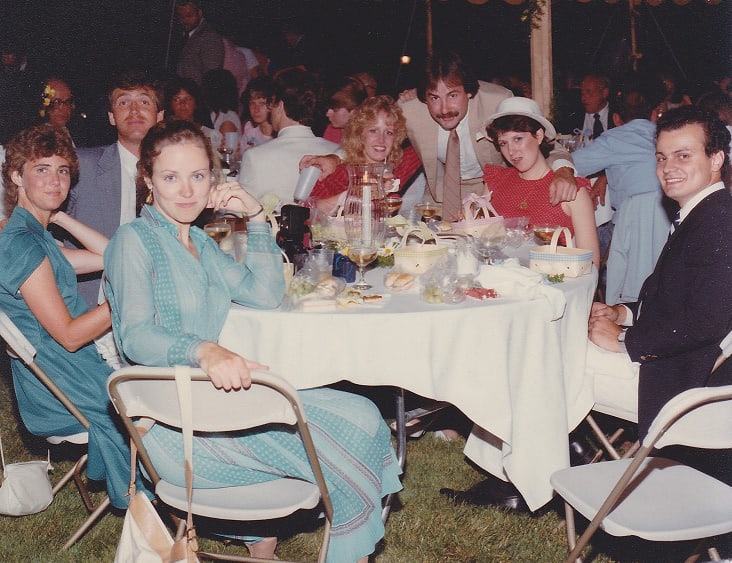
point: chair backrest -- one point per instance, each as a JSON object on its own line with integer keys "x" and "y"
{"x": 150, "y": 392}
{"x": 699, "y": 417}
{"x": 15, "y": 339}
{"x": 140, "y": 391}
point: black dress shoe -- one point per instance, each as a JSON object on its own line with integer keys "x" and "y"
{"x": 489, "y": 492}
{"x": 580, "y": 452}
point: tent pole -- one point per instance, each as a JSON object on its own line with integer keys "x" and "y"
{"x": 170, "y": 33}
{"x": 542, "y": 76}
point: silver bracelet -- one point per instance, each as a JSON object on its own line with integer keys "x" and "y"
{"x": 253, "y": 215}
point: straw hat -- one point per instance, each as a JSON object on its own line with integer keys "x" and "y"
{"x": 523, "y": 106}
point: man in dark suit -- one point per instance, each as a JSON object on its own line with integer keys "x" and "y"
{"x": 595, "y": 96}
{"x": 104, "y": 198}
{"x": 203, "y": 49}
{"x": 685, "y": 306}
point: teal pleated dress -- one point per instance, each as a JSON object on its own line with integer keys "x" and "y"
{"x": 82, "y": 375}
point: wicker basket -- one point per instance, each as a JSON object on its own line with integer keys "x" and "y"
{"x": 416, "y": 258}
{"x": 481, "y": 218}
{"x": 552, "y": 260}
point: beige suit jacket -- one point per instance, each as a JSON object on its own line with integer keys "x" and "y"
{"x": 423, "y": 131}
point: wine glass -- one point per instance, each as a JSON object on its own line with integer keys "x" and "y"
{"x": 362, "y": 256}
{"x": 364, "y": 216}
{"x": 217, "y": 231}
{"x": 543, "y": 232}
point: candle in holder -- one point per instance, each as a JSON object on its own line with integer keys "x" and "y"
{"x": 365, "y": 209}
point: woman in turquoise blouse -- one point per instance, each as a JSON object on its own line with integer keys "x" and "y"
{"x": 170, "y": 288}
{"x": 38, "y": 292}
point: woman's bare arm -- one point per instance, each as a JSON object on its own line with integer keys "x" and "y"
{"x": 43, "y": 298}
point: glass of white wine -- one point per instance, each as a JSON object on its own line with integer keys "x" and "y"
{"x": 217, "y": 231}
{"x": 362, "y": 256}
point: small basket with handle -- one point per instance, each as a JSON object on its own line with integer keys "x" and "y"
{"x": 412, "y": 257}
{"x": 552, "y": 260}
{"x": 480, "y": 218}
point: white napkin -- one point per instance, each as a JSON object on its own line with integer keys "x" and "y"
{"x": 512, "y": 281}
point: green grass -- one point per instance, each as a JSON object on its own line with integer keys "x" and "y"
{"x": 424, "y": 527}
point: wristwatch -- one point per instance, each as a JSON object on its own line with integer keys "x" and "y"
{"x": 621, "y": 336}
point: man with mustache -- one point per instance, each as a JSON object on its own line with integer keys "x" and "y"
{"x": 450, "y": 98}
{"x": 105, "y": 198}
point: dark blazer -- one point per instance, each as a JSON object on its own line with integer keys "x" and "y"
{"x": 96, "y": 200}
{"x": 203, "y": 51}
{"x": 685, "y": 309}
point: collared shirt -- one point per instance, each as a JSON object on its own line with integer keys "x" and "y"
{"x": 195, "y": 29}
{"x": 694, "y": 201}
{"x": 590, "y": 120}
{"x": 128, "y": 201}
{"x": 470, "y": 168}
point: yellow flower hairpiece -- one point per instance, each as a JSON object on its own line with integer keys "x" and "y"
{"x": 46, "y": 97}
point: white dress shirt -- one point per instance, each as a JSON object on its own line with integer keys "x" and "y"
{"x": 469, "y": 166}
{"x": 128, "y": 193}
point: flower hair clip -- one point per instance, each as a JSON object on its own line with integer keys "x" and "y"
{"x": 46, "y": 97}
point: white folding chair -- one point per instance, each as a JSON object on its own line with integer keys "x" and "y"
{"x": 655, "y": 498}
{"x": 20, "y": 347}
{"x": 140, "y": 392}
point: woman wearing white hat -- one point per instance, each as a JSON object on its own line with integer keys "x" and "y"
{"x": 525, "y": 138}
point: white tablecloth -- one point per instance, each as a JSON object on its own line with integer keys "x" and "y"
{"x": 515, "y": 372}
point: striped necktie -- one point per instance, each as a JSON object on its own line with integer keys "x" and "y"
{"x": 675, "y": 223}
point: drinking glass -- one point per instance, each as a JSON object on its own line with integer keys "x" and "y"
{"x": 428, "y": 210}
{"x": 217, "y": 231}
{"x": 543, "y": 232}
{"x": 393, "y": 203}
{"x": 362, "y": 256}
{"x": 364, "y": 215}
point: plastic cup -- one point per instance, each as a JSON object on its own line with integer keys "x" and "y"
{"x": 308, "y": 177}
{"x": 231, "y": 140}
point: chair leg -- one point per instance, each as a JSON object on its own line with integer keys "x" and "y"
{"x": 571, "y": 531}
{"x": 606, "y": 442}
{"x": 75, "y": 473}
{"x": 87, "y": 524}
{"x": 401, "y": 439}
{"x": 65, "y": 479}
{"x": 81, "y": 484}
{"x": 631, "y": 451}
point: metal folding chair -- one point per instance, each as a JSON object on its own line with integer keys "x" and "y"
{"x": 140, "y": 392}
{"x": 655, "y": 498}
{"x": 20, "y": 347}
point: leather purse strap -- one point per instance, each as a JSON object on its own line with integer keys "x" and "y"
{"x": 185, "y": 400}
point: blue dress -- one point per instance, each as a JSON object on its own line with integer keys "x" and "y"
{"x": 166, "y": 303}
{"x": 82, "y": 375}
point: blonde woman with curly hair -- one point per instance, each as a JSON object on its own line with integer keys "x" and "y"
{"x": 374, "y": 134}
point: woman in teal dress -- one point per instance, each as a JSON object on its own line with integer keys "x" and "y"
{"x": 38, "y": 292}
{"x": 170, "y": 288}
